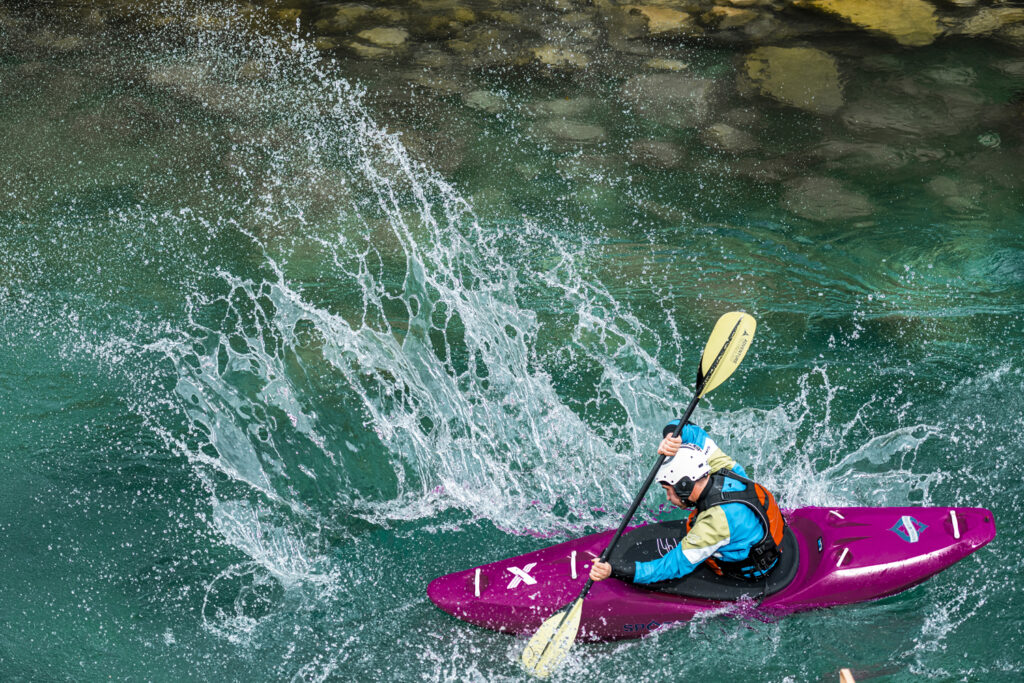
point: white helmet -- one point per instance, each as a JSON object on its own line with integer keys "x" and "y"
{"x": 684, "y": 469}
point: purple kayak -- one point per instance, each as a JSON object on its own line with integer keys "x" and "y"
{"x": 831, "y": 556}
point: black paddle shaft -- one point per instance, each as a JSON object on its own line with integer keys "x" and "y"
{"x": 640, "y": 496}
{"x": 702, "y": 380}
{"x": 647, "y": 483}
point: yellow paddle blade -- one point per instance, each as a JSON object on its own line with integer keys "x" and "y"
{"x": 551, "y": 643}
{"x": 725, "y": 349}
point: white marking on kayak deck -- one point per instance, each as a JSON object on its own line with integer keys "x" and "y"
{"x": 923, "y": 561}
{"x": 836, "y": 513}
{"x": 956, "y": 524}
{"x": 476, "y": 583}
{"x": 908, "y": 524}
{"x": 666, "y": 545}
{"x": 572, "y": 563}
{"x": 843, "y": 556}
{"x": 521, "y": 576}
{"x": 593, "y": 556}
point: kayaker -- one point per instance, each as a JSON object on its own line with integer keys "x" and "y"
{"x": 736, "y": 527}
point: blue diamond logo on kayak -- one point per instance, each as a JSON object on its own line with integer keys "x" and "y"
{"x": 909, "y": 529}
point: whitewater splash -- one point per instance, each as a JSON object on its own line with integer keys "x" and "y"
{"x": 352, "y": 340}
{"x": 368, "y": 354}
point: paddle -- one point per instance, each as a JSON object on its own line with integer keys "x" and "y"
{"x": 726, "y": 347}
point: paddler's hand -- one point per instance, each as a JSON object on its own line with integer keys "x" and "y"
{"x": 599, "y": 571}
{"x": 669, "y": 446}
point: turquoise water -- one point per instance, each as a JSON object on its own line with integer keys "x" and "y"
{"x": 266, "y": 372}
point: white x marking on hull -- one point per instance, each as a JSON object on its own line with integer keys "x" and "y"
{"x": 521, "y": 576}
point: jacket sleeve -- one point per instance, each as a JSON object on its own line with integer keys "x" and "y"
{"x": 709, "y": 533}
{"x": 717, "y": 458}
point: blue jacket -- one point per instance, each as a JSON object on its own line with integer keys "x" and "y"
{"x": 726, "y": 531}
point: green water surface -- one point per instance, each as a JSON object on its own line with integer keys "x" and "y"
{"x": 265, "y": 373}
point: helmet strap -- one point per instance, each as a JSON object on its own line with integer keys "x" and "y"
{"x": 683, "y": 489}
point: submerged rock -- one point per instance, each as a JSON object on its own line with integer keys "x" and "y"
{"x": 624, "y": 26}
{"x": 558, "y": 57}
{"x": 951, "y": 75}
{"x": 484, "y": 100}
{"x": 387, "y": 15}
{"x": 744, "y": 117}
{"x": 343, "y": 19}
{"x": 573, "y": 131}
{"x": 725, "y": 18}
{"x": 1013, "y": 68}
{"x": 801, "y": 77}
{"x": 656, "y": 154}
{"x": 662, "y": 64}
{"x": 671, "y": 99}
{"x": 432, "y": 58}
{"x": 436, "y": 5}
{"x": 442, "y": 147}
{"x": 990, "y": 20}
{"x": 504, "y": 17}
{"x": 871, "y": 155}
{"x": 629, "y": 25}
{"x": 437, "y": 83}
{"x": 484, "y": 43}
{"x": 882, "y": 63}
{"x": 761, "y": 170}
{"x": 725, "y": 138}
{"x": 54, "y": 42}
{"x": 1013, "y": 34}
{"x": 287, "y": 16}
{"x": 824, "y": 199}
{"x": 464, "y": 15}
{"x": 957, "y": 196}
{"x": 908, "y": 22}
{"x": 590, "y": 167}
{"x": 196, "y": 81}
{"x": 383, "y": 41}
{"x": 580, "y": 25}
{"x": 564, "y": 107}
{"x": 436, "y": 27}
{"x": 664, "y": 21}
{"x": 442, "y": 25}
{"x": 369, "y": 51}
{"x": 384, "y": 36}
{"x": 942, "y": 186}
{"x": 967, "y": 106}
{"x": 900, "y": 116}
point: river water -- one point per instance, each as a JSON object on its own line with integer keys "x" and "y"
{"x": 285, "y": 334}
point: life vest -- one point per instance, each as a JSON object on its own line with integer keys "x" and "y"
{"x": 761, "y": 502}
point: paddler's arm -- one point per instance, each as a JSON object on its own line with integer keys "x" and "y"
{"x": 717, "y": 458}
{"x": 709, "y": 533}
